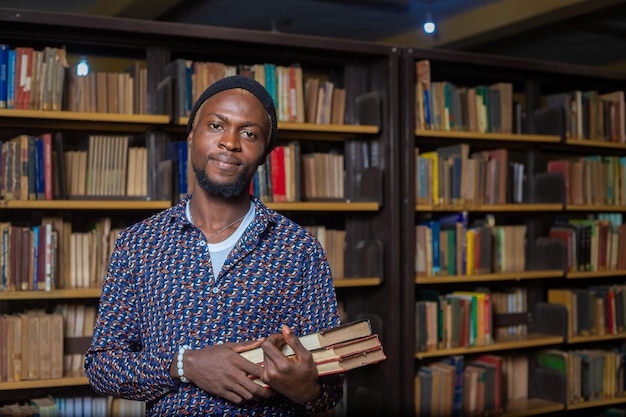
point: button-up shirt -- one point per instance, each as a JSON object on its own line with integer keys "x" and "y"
{"x": 160, "y": 293}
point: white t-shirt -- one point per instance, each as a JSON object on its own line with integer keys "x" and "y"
{"x": 219, "y": 251}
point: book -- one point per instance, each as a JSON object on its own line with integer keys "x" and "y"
{"x": 313, "y": 341}
{"x": 345, "y": 363}
{"x": 328, "y": 353}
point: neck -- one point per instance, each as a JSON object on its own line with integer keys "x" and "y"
{"x": 210, "y": 214}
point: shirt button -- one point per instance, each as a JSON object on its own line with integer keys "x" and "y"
{"x": 202, "y": 243}
{"x": 215, "y": 290}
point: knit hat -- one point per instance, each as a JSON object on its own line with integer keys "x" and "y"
{"x": 240, "y": 81}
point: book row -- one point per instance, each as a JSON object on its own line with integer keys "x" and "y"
{"x": 445, "y": 106}
{"x": 478, "y": 386}
{"x": 298, "y": 99}
{"x": 38, "y": 345}
{"x": 32, "y": 168}
{"x": 88, "y": 406}
{"x": 449, "y": 245}
{"x": 53, "y": 256}
{"x": 594, "y": 311}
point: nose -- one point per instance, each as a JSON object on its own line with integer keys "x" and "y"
{"x": 230, "y": 140}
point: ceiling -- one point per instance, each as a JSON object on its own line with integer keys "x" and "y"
{"x": 588, "y": 32}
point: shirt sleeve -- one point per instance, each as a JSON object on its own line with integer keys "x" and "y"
{"x": 116, "y": 363}
{"x": 319, "y": 312}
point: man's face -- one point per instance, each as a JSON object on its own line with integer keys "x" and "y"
{"x": 228, "y": 142}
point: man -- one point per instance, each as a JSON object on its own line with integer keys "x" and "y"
{"x": 190, "y": 287}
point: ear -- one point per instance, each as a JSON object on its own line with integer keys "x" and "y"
{"x": 190, "y": 138}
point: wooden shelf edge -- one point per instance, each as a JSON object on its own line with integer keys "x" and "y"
{"x": 530, "y": 407}
{"x": 68, "y": 381}
{"x": 357, "y": 282}
{"x": 492, "y": 207}
{"x": 513, "y": 137}
{"x": 599, "y": 403}
{"x": 51, "y": 295}
{"x": 155, "y": 119}
{"x": 595, "y": 143}
{"x": 595, "y": 338}
{"x": 313, "y": 127}
{"x": 594, "y": 207}
{"x": 85, "y": 204}
{"x": 324, "y": 206}
{"x": 507, "y": 276}
{"x": 594, "y": 274}
{"x": 534, "y": 340}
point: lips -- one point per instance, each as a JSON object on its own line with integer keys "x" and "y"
{"x": 225, "y": 162}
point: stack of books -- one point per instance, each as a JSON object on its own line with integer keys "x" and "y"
{"x": 336, "y": 350}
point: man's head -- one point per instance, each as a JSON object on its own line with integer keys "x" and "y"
{"x": 239, "y": 81}
{"x": 232, "y": 127}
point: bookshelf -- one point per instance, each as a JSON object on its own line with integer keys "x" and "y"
{"x": 532, "y": 142}
{"x": 368, "y": 212}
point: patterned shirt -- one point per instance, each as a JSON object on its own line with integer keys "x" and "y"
{"x": 160, "y": 293}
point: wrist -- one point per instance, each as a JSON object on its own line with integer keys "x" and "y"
{"x": 179, "y": 363}
{"x": 319, "y": 400}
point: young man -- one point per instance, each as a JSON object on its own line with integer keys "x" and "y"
{"x": 218, "y": 273}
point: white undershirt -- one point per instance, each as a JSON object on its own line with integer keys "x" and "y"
{"x": 219, "y": 251}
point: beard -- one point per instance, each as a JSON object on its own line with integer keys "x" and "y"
{"x": 228, "y": 191}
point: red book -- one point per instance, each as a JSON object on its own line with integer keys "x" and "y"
{"x": 277, "y": 163}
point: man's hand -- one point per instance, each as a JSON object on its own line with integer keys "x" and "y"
{"x": 221, "y": 371}
{"x": 296, "y": 376}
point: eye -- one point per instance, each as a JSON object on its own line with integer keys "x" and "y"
{"x": 248, "y": 134}
{"x": 215, "y": 125}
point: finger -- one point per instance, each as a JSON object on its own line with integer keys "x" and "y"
{"x": 294, "y": 342}
{"x": 243, "y": 346}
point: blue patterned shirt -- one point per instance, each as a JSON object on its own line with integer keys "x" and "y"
{"x": 160, "y": 293}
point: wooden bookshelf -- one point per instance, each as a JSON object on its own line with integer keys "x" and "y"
{"x": 325, "y": 206}
{"x": 596, "y": 338}
{"x": 82, "y": 120}
{"x": 514, "y": 342}
{"x": 69, "y": 381}
{"x": 595, "y": 144}
{"x": 156, "y": 44}
{"x": 500, "y": 137}
{"x": 507, "y": 276}
{"x": 524, "y": 407}
{"x": 598, "y": 403}
{"x": 85, "y": 204}
{"x": 51, "y": 295}
{"x": 491, "y": 208}
{"x": 595, "y": 274}
{"x": 356, "y": 282}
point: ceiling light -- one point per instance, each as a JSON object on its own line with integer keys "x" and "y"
{"x": 429, "y": 24}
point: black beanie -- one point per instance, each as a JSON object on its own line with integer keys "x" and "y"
{"x": 239, "y": 81}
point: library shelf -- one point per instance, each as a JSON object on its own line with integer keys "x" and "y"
{"x": 487, "y": 136}
{"x": 595, "y": 338}
{"x": 82, "y": 120}
{"x": 595, "y": 274}
{"x": 343, "y": 131}
{"x": 598, "y": 403}
{"x": 595, "y": 207}
{"x": 324, "y": 206}
{"x": 522, "y": 407}
{"x": 356, "y": 282}
{"x": 79, "y": 204}
{"x": 68, "y": 381}
{"x": 503, "y": 208}
{"x": 509, "y": 343}
{"x": 51, "y": 295}
{"x": 504, "y": 276}
{"x": 595, "y": 144}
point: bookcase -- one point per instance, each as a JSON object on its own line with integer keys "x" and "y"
{"x": 368, "y": 139}
{"x": 531, "y": 129}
